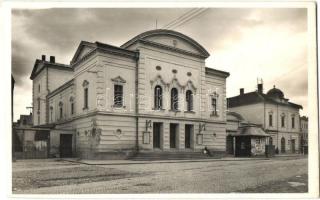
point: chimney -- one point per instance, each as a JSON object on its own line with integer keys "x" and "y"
{"x": 241, "y": 91}
{"x": 43, "y": 57}
{"x": 260, "y": 88}
{"x": 52, "y": 59}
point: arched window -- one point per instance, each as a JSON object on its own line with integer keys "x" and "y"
{"x": 174, "y": 99}
{"x": 157, "y": 97}
{"x": 189, "y": 100}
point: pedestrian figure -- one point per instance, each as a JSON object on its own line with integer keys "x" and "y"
{"x": 206, "y": 151}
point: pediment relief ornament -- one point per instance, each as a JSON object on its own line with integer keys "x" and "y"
{"x": 118, "y": 79}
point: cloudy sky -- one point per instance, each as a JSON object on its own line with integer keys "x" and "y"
{"x": 267, "y": 43}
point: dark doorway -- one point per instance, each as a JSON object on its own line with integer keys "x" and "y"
{"x": 293, "y": 146}
{"x": 188, "y": 136}
{"x": 229, "y": 144}
{"x": 243, "y": 146}
{"x": 283, "y": 145}
{"x": 65, "y": 145}
{"x": 173, "y": 135}
{"x": 156, "y": 135}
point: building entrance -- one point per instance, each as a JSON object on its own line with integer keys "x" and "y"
{"x": 156, "y": 134}
{"x": 188, "y": 136}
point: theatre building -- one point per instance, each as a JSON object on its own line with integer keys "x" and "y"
{"x": 152, "y": 94}
{"x": 275, "y": 114}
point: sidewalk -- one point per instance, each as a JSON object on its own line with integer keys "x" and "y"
{"x": 128, "y": 162}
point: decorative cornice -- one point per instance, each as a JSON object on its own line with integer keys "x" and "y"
{"x": 215, "y": 72}
{"x": 118, "y": 79}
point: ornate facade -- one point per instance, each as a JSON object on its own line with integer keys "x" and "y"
{"x": 153, "y": 93}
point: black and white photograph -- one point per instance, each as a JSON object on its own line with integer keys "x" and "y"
{"x": 163, "y": 100}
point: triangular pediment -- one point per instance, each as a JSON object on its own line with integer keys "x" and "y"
{"x": 83, "y": 49}
{"x": 118, "y": 79}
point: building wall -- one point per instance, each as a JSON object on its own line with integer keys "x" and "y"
{"x": 39, "y": 113}
{"x": 252, "y": 113}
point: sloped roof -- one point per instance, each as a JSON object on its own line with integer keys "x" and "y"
{"x": 250, "y": 130}
{"x": 256, "y": 97}
{"x": 39, "y": 65}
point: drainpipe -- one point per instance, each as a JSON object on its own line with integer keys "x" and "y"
{"x": 136, "y": 100}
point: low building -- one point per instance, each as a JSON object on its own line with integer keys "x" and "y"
{"x": 29, "y": 142}
{"x": 245, "y": 138}
{"x": 277, "y": 116}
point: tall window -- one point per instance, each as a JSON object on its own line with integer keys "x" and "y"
{"x": 39, "y": 88}
{"x": 282, "y": 121}
{"x": 157, "y": 97}
{"x": 72, "y": 108}
{"x": 85, "y": 85}
{"x": 118, "y": 95}
{"x": 270, "y": 119}
{"x": 189, "y": 100}
{"x": 174, "y": 99}
{"x": 214, "y": 106}
{"x": 60, "y": 110}
{"x": 292, "y": 122}
{"x": 38, "y": 103}
{"x": 51, "y": 111}
{"x": 86, "y": 90}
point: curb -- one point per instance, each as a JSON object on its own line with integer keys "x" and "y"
{"x": 161, "y": 162}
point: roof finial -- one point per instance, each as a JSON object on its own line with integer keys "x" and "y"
{"x": 274, "y": 86}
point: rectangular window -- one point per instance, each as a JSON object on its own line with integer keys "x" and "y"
{"x": 282, "y": 121}
{"x": 214, "y": 105}
{"x": 72, "y": 108}
{"x": 270, "y": 119}
{"x": 118, "y": 95}
{"x": 61, "y": 113}
{"x": 39, "y": 104}
{"x": 85, "y": 98}
{"x": 292, "y": 122}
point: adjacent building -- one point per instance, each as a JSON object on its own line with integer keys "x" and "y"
{"x": 304, "y": 134}
{"x": 152, "y": 94}
{"x": 277, "y": 116}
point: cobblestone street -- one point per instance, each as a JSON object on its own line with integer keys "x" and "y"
{"x": 215, "y": 176}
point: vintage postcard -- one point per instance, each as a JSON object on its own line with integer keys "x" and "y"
{"x": 185, "y": 101}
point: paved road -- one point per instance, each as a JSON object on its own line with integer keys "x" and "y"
{"x": 193, "y": 177}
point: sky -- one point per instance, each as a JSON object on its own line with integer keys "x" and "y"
{"x": 249, "y": 43}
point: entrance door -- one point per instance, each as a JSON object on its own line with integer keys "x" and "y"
{"x": 173, "y": 135}
{"x": 243, "y": 146}
{"x": 293, "y": 146}
{"x": 188, "y": 136}
{"x": 156, "y": 135}
{"x": 65, "y": 145}
{"x": 283, "y": 145}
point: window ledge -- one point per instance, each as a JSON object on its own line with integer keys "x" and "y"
{"x": 175, "y": 110}
{"x": 161, "y": 109}
{"x": 116, "y": 106}
{"x": 214, "y": 114}
{"x": 86, "y": 108}
{"x": 189, "y": 111}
